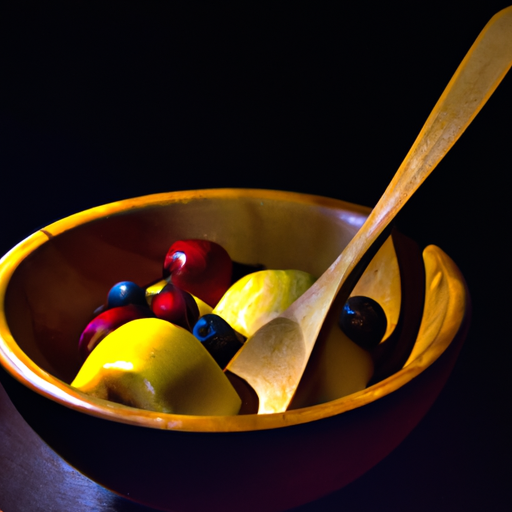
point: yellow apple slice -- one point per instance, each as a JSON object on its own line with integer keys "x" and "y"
{"x": 155, "y": 365}
{"x": 261, "y": 296}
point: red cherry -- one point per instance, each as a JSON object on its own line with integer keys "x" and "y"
{"x": 105, "y": 323}
{"x": 200, "y": 267}
{"x": 175, "y": 305}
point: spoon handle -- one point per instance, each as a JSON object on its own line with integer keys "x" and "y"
{"x": 274, "y": 358}
{"x": 478, "y": 75}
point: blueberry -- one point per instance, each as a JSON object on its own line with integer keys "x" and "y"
{"x": 218, "y": 337}
{"x": 363, "y": 320}
{"x": 124, "y": 293}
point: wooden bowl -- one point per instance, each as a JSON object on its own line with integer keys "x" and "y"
{"x": 52, "y": 281}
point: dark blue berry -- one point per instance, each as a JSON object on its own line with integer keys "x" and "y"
{"x": 124, "y": 293}
{"x": 218, "y": 337}
{"x": 363, "y": 320}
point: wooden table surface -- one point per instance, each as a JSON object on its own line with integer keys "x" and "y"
{"x": 100, "y": 102}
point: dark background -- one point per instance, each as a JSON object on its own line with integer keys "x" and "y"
{"x": 101, "y": 101}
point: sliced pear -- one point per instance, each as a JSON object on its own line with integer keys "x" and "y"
{"x": 341, "y": 369}
{"x": 155, "y": 365}
{"x": 259, "y": 297}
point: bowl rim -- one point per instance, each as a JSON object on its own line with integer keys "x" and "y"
{"x": 22, "y": 368}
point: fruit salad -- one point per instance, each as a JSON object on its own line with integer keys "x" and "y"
{"x": 164, "y": 346}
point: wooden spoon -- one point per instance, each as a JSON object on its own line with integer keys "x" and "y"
{"x": 273, "y": 360}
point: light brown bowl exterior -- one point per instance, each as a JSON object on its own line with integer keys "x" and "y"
{"x": 51, "y": 282}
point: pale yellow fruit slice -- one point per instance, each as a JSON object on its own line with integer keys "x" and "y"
{"x": 261, "y": 296}
{"x": 381, "y": 282}
{"x": 152, "y": 364}
{"x": 341, "y": 369}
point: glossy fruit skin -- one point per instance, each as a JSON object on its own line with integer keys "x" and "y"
{"x": 363, "y": 320}
{"x": 176, "y": 306}
{"x": 200, "y": 267}
{"x": 259, "y": 297}
{"x": 218, "y": 337}
{"x": 124, "y": 293}
{"x": 155, "y": 365}
{"x": 107, "y": 322}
